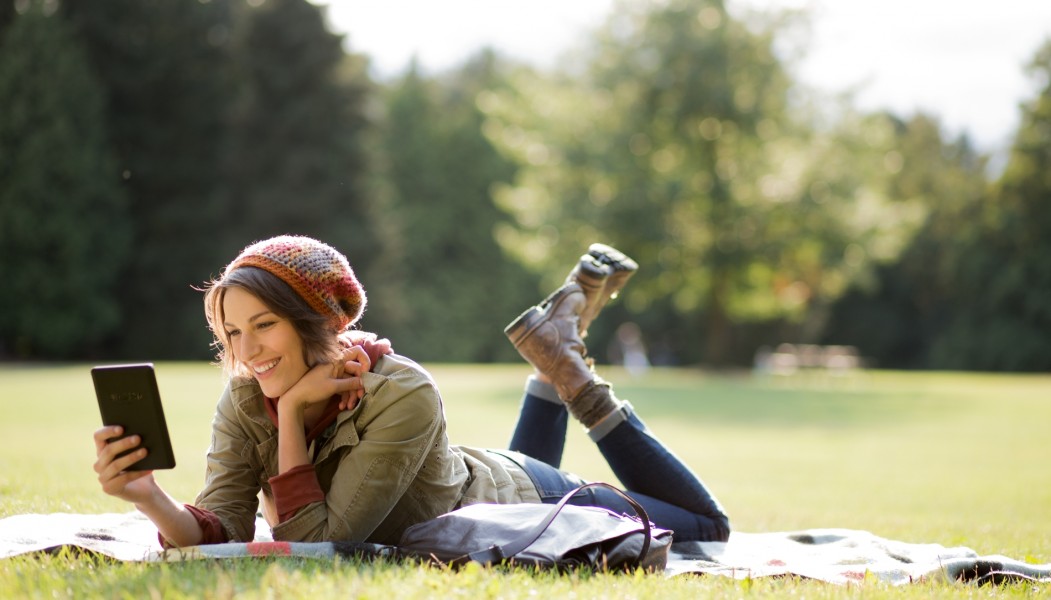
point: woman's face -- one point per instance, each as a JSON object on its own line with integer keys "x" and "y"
{"x": 266, "y": 344}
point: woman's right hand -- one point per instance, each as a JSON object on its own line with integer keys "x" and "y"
{"x": 133, "y": 486}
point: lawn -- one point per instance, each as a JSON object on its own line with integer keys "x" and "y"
{"x": 951, "y": 458}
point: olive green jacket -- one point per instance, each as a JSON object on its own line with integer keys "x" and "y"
{"x": 383, "y": 466}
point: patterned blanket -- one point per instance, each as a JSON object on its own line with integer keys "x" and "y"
{"x": 837, "y": 556}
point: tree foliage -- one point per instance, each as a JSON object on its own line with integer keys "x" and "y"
{"x": 294, "y": 161}
{"x": 7, "y": 15}
{"x": 897, "y": 313}
{"x": 64, "y": 228}
{"x": 144, "y": 143}
{"x": 679, "y": 146}
{"x": 165, "y": 69}
{"x": 230, "y": 122}
{"x": 970, "y": 291}
{"x": 1004, "y": 281}
{"x": 448, "y": 289}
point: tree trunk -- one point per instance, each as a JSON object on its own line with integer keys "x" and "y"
{"x": 719, "y": 333}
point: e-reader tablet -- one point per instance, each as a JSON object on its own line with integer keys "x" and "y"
{"x": 128, "y": 396}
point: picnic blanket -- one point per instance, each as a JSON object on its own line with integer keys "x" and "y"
{"x": 837, "y": 556}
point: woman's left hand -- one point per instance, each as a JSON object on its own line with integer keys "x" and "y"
{"x": 374, "y": 346}
{"x": 354, "y": 362}
{"x": 341, "y": 376}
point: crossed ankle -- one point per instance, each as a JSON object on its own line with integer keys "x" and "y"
{"x": 593, "y": 403}
{"x": 611, "y": 421}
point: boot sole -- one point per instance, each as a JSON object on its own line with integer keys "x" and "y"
{"x": 623, "y": 267}
{"x": 616, "y": 259}
{"x": 591, "y": 273}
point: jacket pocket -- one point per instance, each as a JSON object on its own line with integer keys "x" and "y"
{"x": 263, "y": 460}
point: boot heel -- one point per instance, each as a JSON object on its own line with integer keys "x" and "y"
{"x": 535, "y": 316}
{"x": 546, "y": 337}
{"x": 523, "y": 326}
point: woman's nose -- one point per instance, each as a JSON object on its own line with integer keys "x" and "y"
{"x": 249, "y": 346}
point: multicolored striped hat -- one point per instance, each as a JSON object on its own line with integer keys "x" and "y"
{"x": 317, "y": 272}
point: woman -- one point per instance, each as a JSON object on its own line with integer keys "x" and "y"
{"x": 342, "y": 439}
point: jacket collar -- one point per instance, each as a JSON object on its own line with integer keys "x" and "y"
{"x": 249, "y": 400}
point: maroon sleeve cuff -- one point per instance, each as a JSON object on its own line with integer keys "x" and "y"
{"x": 211, "y": 527}
{"x": 294, "y": 489}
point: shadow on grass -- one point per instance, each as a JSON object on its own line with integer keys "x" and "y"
{"x": 745, "y": 400}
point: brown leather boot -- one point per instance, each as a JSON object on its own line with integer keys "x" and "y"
{"x": 548, "y": 337}
{"x": 590, "y": 274}
{"x": 620, "y": 268}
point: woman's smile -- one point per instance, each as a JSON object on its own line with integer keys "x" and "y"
{"x": 262, "y": 369}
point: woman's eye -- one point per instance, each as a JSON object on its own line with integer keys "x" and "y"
{"x": 232, "y": 333}
{"x": 265, "y": 325}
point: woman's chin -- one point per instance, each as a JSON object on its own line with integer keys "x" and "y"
{"x": 272, "y": 389}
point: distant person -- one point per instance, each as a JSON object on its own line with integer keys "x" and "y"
{"x": 339, "y": 438}
{"x": 629, "y": 350}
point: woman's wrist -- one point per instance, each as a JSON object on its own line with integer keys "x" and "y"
{"x": 154, "y": 503}
{"x": 172, "y": 519}
{"x": 290, "y": 410}
{"x": 291, "y": 440}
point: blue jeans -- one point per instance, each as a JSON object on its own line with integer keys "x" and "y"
{"x": 673, "y": 496}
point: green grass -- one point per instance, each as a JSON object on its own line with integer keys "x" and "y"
{"x": 951, "y": 458}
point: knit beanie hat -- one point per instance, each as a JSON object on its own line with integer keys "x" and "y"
{"x": 317, "y": 272}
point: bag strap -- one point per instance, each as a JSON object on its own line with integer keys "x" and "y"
{"x": 497, "y": 553}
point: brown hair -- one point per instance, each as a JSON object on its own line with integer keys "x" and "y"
{"x": 320, "y": 341}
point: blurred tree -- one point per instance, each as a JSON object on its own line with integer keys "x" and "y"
{"x": 895, "y": 316}
{"x": 165, "y": 69}
{"x": 7, "y": 14}
{"x": 448, "y": 289}
{"x": 1004, "y": 285}
{"x": 295, "y": 162}
{"x": 971, "y": 290}
{"x": 679, "y": 147}
{"x": 64, "y": 229}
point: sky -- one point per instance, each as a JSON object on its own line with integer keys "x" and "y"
{"x": 961, "y": 60}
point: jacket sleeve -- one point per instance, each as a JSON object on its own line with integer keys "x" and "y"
{"x": 231, "y": 488}
{"x": 400, "y": 421}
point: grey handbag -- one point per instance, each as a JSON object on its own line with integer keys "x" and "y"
{"x": 561, "y": 536}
